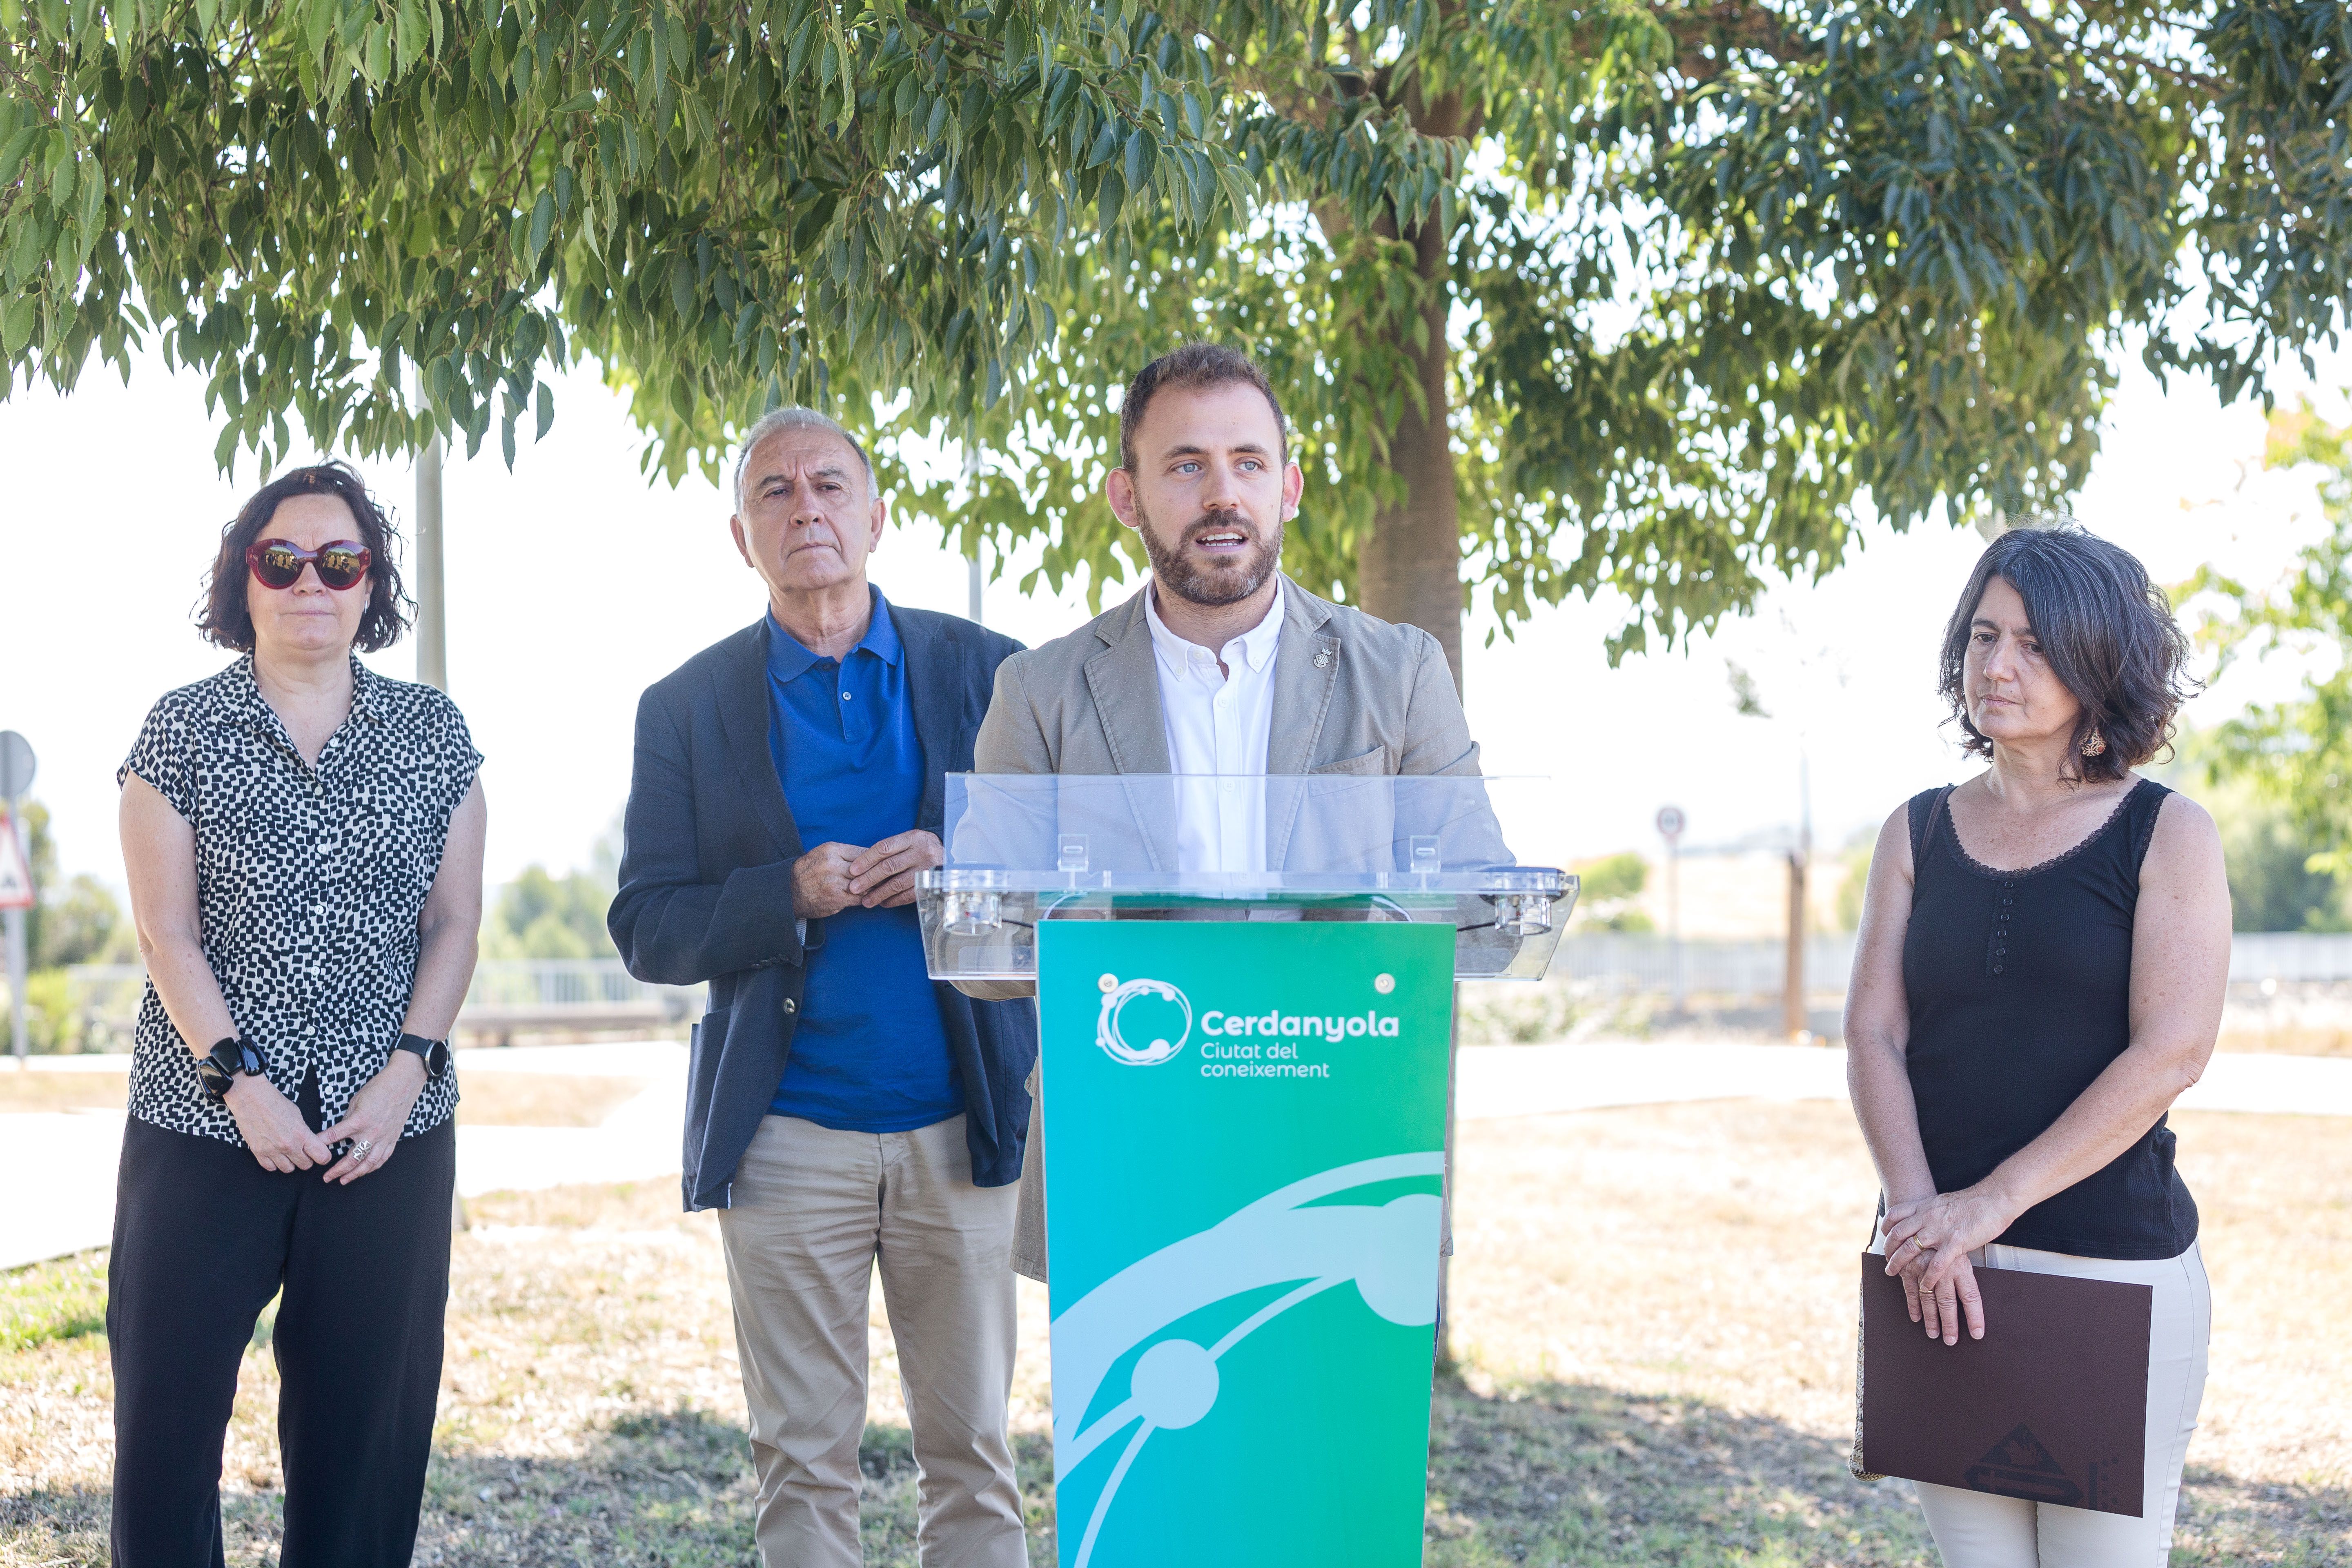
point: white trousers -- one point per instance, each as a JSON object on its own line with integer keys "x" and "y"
{"x": 1977, "y": 1529}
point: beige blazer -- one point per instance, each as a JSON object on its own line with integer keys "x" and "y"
{"x": 1352, "y": 695}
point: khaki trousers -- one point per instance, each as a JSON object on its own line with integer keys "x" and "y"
{"x": 814, "y": 1211}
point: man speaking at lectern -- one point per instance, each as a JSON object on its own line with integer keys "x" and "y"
{"x": 1221, "y": 665}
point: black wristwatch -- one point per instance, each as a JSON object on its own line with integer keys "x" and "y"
{"x": 435, "y": 1052}
{"x": 226, "y": 1062}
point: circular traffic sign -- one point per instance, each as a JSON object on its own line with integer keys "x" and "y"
{"x": 16, "y": 761}
{"x": 1670, "y": 821}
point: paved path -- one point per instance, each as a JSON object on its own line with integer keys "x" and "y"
{"x": 68, "y": 1158}
{"x": 64, "y": 1163}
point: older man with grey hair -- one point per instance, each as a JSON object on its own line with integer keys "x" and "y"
{"x": 843, "y": 1111}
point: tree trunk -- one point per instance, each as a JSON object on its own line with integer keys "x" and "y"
{"x": 1410, "y": 567}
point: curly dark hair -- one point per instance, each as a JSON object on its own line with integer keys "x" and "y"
{"x": 222, "y": 616}
{"x": 2106, "y": 630}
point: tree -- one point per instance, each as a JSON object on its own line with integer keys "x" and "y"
{"x": 1610, "y": 889}
{"x": 1649, "y": 298}
{"x": 1676, "y": 289}
{"x": 74, "y": 920}
{"x": 2272, "y": 884}
{"x": 539, "y": 915}
{"x": 727, "y": 206}
{"x": 2295, "y": 756}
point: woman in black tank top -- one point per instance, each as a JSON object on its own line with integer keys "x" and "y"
{"x": 2039, "y": 974}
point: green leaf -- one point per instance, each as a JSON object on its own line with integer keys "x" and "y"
{"x": 542, "y": 221}
{"x": 16, "y": 323}
{"x": 1142, "y": 156}
{"x": 578, "y": 103}
{"x": 1106, "y": 145}
{"x": 93, "y": 207}
{"x": 409, "y": 34}
{"x": 681, "y": 286}
{"x": 12, "y": 152}
{"x": 546, "y": 400}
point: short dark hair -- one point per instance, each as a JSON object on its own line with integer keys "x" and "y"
{"x": 222, "y": 616}
{"x": 2106, "y": 630}
{"x": 1194, "y": 365}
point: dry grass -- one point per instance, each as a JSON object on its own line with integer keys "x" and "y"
{"x": 2289, "y": 1040}
{"x": 1617, "y": 1405}
{"x": 35, "y": 1091}
{"x": 1701, "y": 1258}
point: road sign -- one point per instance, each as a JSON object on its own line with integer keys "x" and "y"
{"x": 1670, "y": 821}
{"x": 15, "y": 876}
{"x": 16, "y": 764}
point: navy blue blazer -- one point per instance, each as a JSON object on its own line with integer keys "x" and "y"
{"x": 707, "y": 857}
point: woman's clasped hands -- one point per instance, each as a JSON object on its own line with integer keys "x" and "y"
{"x": 1928, "y": 1241}
{"x": 274, "y": 1130}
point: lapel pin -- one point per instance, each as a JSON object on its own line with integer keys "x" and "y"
{"x": 1323, "y": 657}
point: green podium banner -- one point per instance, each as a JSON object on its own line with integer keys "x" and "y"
{"x": 1245, "y": 1127}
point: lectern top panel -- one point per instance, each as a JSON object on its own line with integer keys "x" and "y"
{"x": 1021, "y": 848}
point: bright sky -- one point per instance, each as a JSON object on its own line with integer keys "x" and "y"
{"x": 573, "y": 584}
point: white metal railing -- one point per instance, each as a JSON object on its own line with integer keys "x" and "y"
{"x": 1622, "y": 964}
{"x": 585, "y": 993}
{"x": 1617, "y": 965}
{"x": 600, "y": 993}
{"x": 2289, "y": 955}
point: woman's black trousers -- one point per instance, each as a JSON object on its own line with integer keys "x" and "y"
{"x": 203, "y": 1238}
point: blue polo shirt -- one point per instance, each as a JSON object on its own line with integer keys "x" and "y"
{"x": 870, "y": 1054}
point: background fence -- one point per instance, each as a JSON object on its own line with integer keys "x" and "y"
{"x": 1616, "y": 965}
{"x": 597, "y": 995}
{"x": 507, "y": 997}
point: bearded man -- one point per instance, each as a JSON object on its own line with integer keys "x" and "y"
{"x": 1221, "y": 665}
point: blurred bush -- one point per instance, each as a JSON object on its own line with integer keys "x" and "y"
{"x": 1609, "y": 892}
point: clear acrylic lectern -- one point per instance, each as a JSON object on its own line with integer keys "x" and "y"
{"x": 1027, "y": 848}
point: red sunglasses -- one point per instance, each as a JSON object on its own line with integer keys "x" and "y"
{"x": 275, "y": 564}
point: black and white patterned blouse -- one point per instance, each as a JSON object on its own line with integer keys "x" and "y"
{"x": 309, "y": 883}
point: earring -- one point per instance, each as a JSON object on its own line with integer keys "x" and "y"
{"x": 2096, "y": 746}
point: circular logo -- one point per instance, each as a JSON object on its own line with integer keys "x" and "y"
{"x": 1158, "y": 1049}
{"x": 1384, "y": 984}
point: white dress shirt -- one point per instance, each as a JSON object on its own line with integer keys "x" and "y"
{"x": 1219, "y": 724}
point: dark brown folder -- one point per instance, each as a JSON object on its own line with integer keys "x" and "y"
{"x": 2050, "y": 1406}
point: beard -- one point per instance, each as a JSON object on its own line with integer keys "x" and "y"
{"x": 1229, "y": 580}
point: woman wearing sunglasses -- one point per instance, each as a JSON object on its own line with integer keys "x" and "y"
{"x": 304, "y": 843}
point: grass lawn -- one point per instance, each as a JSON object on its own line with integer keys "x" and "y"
{"x": 1654, "y": 1308}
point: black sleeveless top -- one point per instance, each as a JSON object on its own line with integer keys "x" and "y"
{"x": 2020, "y": 985}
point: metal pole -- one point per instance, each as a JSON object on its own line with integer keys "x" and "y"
{"x": 17, "y": 985}
{"x": 433, "y": 626}
{"x": 1801, "y": 862}
{"x": 19, "y": 1041}
{"x": 1674, "y": 918}
{"x": 1670, "y": 824}
{"x": 1792, "y": 993}
{"x": 432, "y": 605}
{"x": 971, "y": 498}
